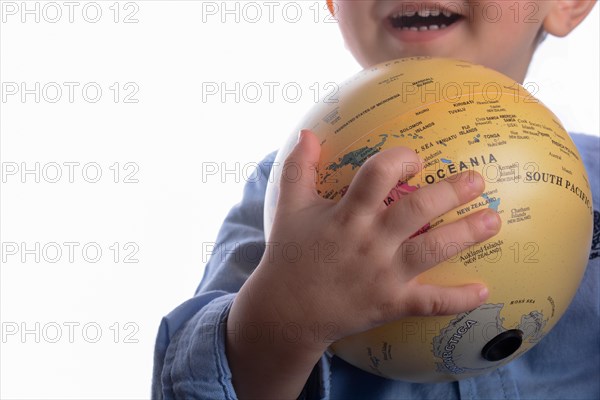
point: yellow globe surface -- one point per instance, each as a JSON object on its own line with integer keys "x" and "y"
{"x": 459, "y": 116}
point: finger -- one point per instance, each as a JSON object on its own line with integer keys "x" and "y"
{"x": 376, "y": 177}
{"x": 411, "y": 212}
{"x": 429, "y": 249}
{"x": 298, "y": 176}
{"x": 430, "y": 300}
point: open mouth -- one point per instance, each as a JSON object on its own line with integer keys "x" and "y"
{"x": 423, "y": 20}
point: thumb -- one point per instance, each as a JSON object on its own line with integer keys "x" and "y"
{"x": 299, "y": 174}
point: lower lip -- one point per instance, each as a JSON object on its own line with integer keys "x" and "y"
{"x": 420, "y": 36}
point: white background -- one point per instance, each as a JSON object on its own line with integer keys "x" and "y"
{"x": 170, "y": 137}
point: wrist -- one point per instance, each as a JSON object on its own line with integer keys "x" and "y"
{"x": 264, "y": 320}
{"x": 268, "y": 358}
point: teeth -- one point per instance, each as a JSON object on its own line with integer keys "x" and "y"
{"x": 423, "y": 28}
{"x": 423, "y": 13}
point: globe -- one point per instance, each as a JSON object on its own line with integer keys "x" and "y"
{"x": 458, "y": 116}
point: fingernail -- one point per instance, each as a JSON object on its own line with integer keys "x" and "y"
{"x": 483, "y": 294}
{"x": 491, "y": 220}
{"x": 302, "y": 134}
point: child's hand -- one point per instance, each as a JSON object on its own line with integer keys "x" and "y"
{"x": 363, "y": 275}
{"x": 352, "y": 272}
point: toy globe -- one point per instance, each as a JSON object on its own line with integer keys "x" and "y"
{"x": 458, "y": 116}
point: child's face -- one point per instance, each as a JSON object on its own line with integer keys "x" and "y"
{"x": 499, "y": 34}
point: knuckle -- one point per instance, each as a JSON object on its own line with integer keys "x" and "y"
{"x": 407, "y": 254}
{"x": 386, "y": 311}
{"x": 292, "y": 158}
{"x": 427, "y": 305}
{"x": 437, "y": 305}
{"x": 365, "y": 248}
{"x": 474, "y": 229}
{"x": 433, "y": 241}
{"x": 292, "y": 170}
{"x": 457, "y": 191}
{"x": 386, "y": 308}
{"x": 421, "y": 204}
{"x": 432, "y": 248}
{"x": 377, "y": 169}
{"x": 383, "y": 297}
{"x": 343, "y": 217}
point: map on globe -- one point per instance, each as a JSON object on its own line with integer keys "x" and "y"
{"x": 453, "y": 346}
{"x": 461, "y": 117}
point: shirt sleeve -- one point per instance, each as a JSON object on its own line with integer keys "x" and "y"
{"x": 189, "y": 356}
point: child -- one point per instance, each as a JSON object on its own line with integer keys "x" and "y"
{"x": 230, "y": 340}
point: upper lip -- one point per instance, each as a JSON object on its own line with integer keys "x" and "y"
{"x": 425, "y": 8}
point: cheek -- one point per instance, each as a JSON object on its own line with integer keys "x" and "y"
{"x": 359, "y": 27}
{"x": 361, "y": 33}
{"x": 505, "y": 38}
{"x": 351, "y": 39}
{"x": 516, "y": 23}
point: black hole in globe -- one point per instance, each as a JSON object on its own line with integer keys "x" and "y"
{"x": 502, "y": 345}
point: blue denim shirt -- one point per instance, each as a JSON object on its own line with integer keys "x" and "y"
{"x": 190, "y": 360}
